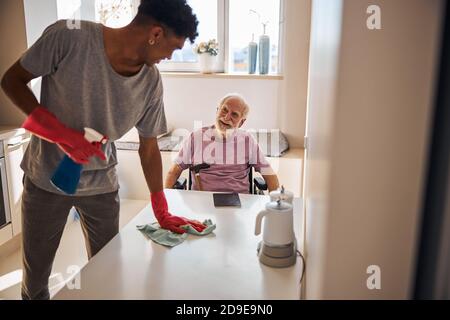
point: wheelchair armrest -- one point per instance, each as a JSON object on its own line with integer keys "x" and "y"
{"x": 199, "y": 167}
{"x": 260, "y": 183}
{"x": 180, "y": 184}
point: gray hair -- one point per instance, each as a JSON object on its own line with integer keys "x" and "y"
{"x": 241, "y": 99}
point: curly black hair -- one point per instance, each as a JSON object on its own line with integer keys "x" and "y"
{"x": 176, "y": 14}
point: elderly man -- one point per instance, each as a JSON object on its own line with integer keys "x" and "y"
{"x": 229, "y": 151}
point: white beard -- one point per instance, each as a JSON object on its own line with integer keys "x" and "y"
{"x": 224, "y": 133}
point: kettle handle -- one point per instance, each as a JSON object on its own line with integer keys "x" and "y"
{"x": 259, "y": 220}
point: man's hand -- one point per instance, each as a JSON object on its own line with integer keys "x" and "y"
{"x": 79, "y": 156}
{"x": 168, "y": 221}
{"x": 272, "y": 182}
{"x": 152, "y": 167}
{"x": 44, "y": 124}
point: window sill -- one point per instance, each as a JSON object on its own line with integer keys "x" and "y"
{"x": 222, "y": 75}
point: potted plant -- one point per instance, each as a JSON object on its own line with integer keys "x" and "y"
{"x": 207, "y": 55}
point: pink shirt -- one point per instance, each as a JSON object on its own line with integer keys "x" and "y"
{"x": 230, "y": 159}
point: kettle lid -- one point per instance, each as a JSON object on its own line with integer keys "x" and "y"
{"x": 279, "y": 205}
{"x": 281, "y": 193}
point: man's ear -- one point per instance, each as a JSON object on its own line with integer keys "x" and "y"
{"x": 242, "y": 122}
{"x": 156, "y": 33}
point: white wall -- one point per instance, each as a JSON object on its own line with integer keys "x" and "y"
{"x": 368, "y": 129}
{"x": 12, "y": 43}
{"x": 38, "y": 15}
{"x": 293, "y": 90}
{"x": 325, "y": 41}
{"x": 196, "y": 99}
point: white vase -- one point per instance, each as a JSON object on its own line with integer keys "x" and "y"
{"x": 207, "y": 62}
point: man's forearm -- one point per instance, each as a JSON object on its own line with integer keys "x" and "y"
{"x": 170, "y": 180}
{"x": 272, "y": 182}
{"x": 172, "y": 176}
{"x": 14, "y": 84}
{"x": 152, "y": 166}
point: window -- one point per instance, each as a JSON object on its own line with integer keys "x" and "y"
{"x": 210, "y": 23}
{"x": 207, "y": 28}
{"x": 233, "y": 23}
{"x": 244, "y": 20}
{"x": 111, "y": 13}
{"x": 116, "y": 13}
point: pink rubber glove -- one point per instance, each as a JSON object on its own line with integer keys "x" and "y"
{"x": 168, "y": 221}
{"x": 45, "y": 125}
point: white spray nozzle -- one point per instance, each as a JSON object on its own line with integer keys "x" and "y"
{"x": 93, "y": 136}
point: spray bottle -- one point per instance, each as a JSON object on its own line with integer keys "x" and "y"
{"x": 67, "y": 175}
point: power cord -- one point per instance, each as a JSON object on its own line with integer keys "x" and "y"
{"x": 303, "y": 265}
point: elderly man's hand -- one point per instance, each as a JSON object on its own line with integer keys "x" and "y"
{"x": 169, "y": 221}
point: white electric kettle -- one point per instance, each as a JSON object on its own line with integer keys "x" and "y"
{"x": 278, "y": 224}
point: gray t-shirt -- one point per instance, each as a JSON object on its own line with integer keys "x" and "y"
{"x": 82, "y": 89}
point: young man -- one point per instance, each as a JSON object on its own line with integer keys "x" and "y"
{"x": 230, "y": 152}
{"x": 104, "y": 79}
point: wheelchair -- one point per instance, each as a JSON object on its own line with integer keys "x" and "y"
{"x": 257, "y": 185}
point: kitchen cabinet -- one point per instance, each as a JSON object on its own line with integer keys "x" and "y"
{"x": 289, "y": 169}
{"x": 14, "y": 142}
{"x": 14, "y": 151}
{"x": 131, "y": 177}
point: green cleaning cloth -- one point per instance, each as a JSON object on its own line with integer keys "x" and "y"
{"x": 171, "y": 239}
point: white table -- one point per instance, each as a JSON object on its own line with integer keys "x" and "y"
{"x": 222, "y": 265}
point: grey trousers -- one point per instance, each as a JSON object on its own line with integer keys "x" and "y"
{"x": 44, "y": 216}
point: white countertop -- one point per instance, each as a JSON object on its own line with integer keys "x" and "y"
{"x": 7, "y": 132}
{"x": 222, "y": 265}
